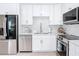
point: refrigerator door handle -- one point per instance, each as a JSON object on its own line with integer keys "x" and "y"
{"x": 4, "y": 26}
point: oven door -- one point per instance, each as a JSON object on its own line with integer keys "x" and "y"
{"x": 62, "y": 48}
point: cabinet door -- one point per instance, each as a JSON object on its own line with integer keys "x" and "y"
{"x": 52, "y": 42}
{"x": 45, "y": 41}
{"x": 44, "y": 10}
{"x": 36, "y": 46}
{"x": 57, "y": 15}
{"x": 77, "y": 50}
{"x": 40, "y": 10}
{"x": 36, "y": 10}
{"x": 10, "y": 8}
{"x": 49, "y": 43}
{"x": 51, "y": 13}
{"x": 72, "y": 49}
{"x": 26, "y": 15}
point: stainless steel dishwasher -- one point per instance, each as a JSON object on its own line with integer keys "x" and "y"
{"x": 25, "y": 43}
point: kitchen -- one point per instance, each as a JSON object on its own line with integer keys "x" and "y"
{"x": 39, "y": 28}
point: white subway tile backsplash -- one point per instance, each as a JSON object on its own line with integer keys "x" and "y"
{"x": 72, "y": 29}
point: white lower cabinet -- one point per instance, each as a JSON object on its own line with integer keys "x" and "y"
{"x": 36, "y": 46}
{"x": 77, "y": 51}
{"x": 43, "y": 43}
{"x": 73, "y": 50}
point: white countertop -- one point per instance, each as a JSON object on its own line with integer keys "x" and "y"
{"x": 25, "y": 34}
{"x": 76, "y": 42}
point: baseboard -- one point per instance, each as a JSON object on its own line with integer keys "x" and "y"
{"x": 42, "y": 51}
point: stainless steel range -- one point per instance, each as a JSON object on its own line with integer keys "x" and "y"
{"x": 62, "y": 46}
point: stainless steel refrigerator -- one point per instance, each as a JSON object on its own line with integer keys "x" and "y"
{"x": 11, "y": 33}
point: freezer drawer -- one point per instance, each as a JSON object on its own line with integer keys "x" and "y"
{"x": 12, "y": 47}
{"x": 3, "y": 47}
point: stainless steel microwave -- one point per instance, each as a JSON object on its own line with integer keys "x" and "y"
{"x": 71, "y": 17}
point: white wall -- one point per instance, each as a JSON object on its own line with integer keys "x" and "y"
{"x": 72, "y": 29}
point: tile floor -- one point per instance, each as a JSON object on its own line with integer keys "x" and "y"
{"x": 38, "y": 54}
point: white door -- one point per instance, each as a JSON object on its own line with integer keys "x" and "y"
{"x": 40, "y": 10}
{"x": 57, "y": 15}
{"x": 45, "y": 10}
{"x": 45, "y": 44}
{"x": 9, "y": 8}
{"x": 36, "y": 44}
{"x": 48, "y": 43}
{"x": 36, "y": 10}
{"x": 77, "y": 50}
{"x": 26, "y": 15}
{"x": 72, "y": 49}
{"x": 51, "y": 13}
{"x": 52, "y": 42}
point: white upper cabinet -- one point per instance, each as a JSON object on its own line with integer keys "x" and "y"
{"x": 26, "y": 14}
{"x": 56, "y": 15}
{"x": 52, "y": 11}
{"x": 51, "y": 14}
{"x": 69, "y": 6}
{"x": 9, "y": 8}
{"x": 41, "y": 10}
{"x": 45, "y": 10}
{"x": 36, "y": 10}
